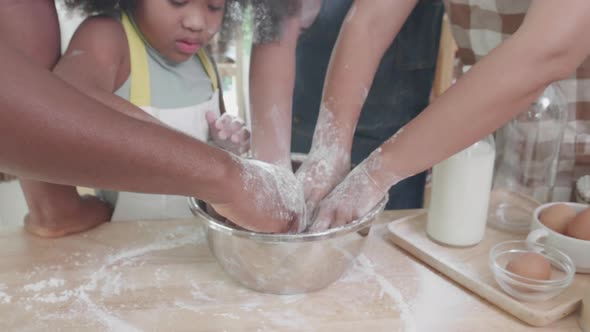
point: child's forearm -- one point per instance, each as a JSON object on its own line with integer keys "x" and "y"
{"x": 272, "y": 79}
{"x": 367, "y": 32}
{"x": 500, "y": 86}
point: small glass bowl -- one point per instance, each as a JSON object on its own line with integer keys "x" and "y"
{"x": 527, "y": 289}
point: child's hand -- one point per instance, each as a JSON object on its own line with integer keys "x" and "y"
{"x": 350, "y": 200}
{"x": 229, "y": 132}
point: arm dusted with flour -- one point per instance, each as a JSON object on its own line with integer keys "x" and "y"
{"x": 272, "y": 76}
{"x": 272, "y": 79}
{"x": 366, "y": 34}
{"x": 492, "y": 92}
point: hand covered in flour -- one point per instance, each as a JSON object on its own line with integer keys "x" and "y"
{"x": 321, "y": 171}
{"x": 352, "y": 199}
{"x": 268, "y": 199}
{"x": 229, "y": 132}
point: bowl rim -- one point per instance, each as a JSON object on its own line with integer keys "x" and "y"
{"x": 563, "y": 237}
{"x": 535, "y": 284}
{"x": 287, "y": 237}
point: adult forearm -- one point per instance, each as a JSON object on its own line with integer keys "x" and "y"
{"x": 53, "y": 133}
{"x": 272, "y": 79}
{"x": 500, "y": 86}
{"x": 477, "y": 105}
{"x": 113, "y": 101}
{"x": 31, "y": 26}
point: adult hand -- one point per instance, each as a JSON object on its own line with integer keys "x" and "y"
{"x": 267, "y": 199}
{"x": 228, "y": 132}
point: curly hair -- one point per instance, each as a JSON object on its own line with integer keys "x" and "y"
{"x": 91, "y": 7}
{"x": 267, "y": 15}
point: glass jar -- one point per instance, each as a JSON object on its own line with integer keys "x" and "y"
{"x": 527, "y": 153}
{"x": 460, "y": 195}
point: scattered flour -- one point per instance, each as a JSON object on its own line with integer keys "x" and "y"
{"x": 388, "y": 289}
{"x": 197, "y": 293}
{"x": 113, "y": 286}
{"x": 105, "y": 280}
{"x": 288, "y": 299}
{"x": 187, "y": 306}
{"x": 287, "y": 319}
{"x": 52, "y": 297}
{"x": 41, "y": 285}
{"x": 4, "y": 298}
{"x": 113, "y": 322}
{"x": 162, "y": 275}
{"x": 227, "y": 315}
{"x": 88, "y": 300}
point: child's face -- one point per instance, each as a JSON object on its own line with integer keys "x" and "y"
{"x": 179, "y": 28}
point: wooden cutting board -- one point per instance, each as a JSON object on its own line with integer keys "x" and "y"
{"x": 469, "y": 267}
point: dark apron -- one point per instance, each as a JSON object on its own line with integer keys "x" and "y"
{"x": 400, "y": 89}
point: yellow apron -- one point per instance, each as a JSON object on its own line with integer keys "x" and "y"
{"x": 189, "y": 120}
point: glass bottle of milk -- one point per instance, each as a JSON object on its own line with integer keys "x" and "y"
{"x": 460, "y": 195}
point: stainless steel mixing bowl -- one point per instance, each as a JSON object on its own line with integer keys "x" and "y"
{"x": 285, "y": 263}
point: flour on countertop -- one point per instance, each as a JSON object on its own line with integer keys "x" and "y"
{"x": 107, "y": 280}
{"x": 391, "y": 291}
{"x": 94, "y": 298}
{"x": 4, "y": 298}
{"x": 43, "y": 284}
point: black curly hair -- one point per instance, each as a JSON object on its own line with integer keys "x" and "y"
{"x": 267, "y": 15}
{"x": 91, "y": 7}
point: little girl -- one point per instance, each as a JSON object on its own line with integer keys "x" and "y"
{"x": 149, "y": 53}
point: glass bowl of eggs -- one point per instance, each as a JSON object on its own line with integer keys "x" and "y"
{"x": 531, "y": 272}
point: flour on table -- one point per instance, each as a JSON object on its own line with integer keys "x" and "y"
{"x": 43, "y": 284}
{"x": 4, "y": 298}
{"x": 86, "y": 299}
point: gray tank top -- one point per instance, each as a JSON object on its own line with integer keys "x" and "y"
{"x": 173, "y": 85}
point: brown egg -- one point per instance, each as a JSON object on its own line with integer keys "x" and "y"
{"x": 530, "y": 265}
{"x": 579, "y": 227}
{"x": 557, "y": 217}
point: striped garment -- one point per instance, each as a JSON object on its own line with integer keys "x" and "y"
{"x": 478, "y": 27}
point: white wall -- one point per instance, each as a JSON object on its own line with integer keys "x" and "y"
{"x": 13, "y": 207}
{"x": 68, "y": 22}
